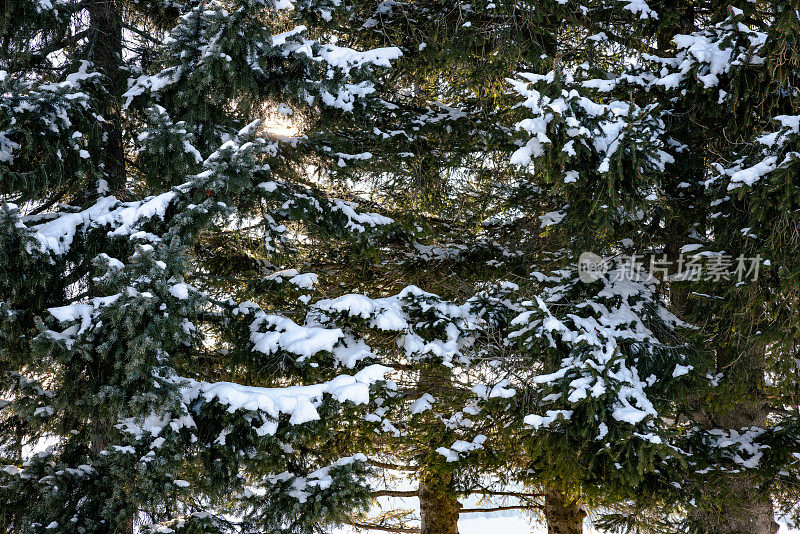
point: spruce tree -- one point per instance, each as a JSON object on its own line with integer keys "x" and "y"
{"x": 157, "y": 240}
{"x": 627, "y": 150}
{"x": 453, "y": 77}
{"x": 738, "y": 74}
{"x": 137, "y": 173}
{"x": 656, "y": 152}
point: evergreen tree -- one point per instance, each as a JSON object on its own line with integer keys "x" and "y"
{"x": 171, "y": 359}
{"x": 627, "y": 149}
{"x": 137, "y": 173}
{"x": 644, "y": 149}
{"x": 745, "y": 83}
{"x": 454, "y": 93}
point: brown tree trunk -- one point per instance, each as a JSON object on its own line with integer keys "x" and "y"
{"x": 438, "y": 502}
{"x": 563, "y": 516}
{"x": 744, "y": 513}
{"x": 438, "y": 507}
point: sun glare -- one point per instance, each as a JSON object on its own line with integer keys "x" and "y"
{"x": 280, "y": 121}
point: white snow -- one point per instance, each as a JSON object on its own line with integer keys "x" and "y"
{"x": 450, "y": 456}
{"x": 357, "y": 221}
{"x": 123, "y": 217}
{"x": 298, "y": 401}
{"x": 179, "y": 291}
{"x": 681, "y": 370}
{"x": 422, "y": 404}
{"x": 294, "y": 277}
{"x": 350, "y": 351}
{"x": 539, "y": 421}
{"x": 11, "y": 470}
{"x": 345, "y": 59}
{"x": 284, "y": 334}
{"x": 640, "y": 8}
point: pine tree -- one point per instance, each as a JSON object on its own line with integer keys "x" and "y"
{"x": 137, "y": 172}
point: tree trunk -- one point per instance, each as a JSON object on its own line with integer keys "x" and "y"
{"x": 438, "y": 502}
{"x": 746, "y": 513}
{"x": 438, "y": 507}
{"x": 734, "y": 503}
{"x": 105, "y": 52}
{"x": 563, "y": 516}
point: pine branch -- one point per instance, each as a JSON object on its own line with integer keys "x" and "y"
{"x": 40, "y": 55}
{"x": 624, "y": 40}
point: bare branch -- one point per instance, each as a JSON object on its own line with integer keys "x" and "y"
{"x": 385, "y": 528}
{"x": 497, "y": 509}
{"x": 386, "y": 465}
{"x": 509, "y": 494}
{"x": 395, "y": 493}
{"x": 141, "y": 33}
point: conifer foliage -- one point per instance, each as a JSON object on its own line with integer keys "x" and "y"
{"x": 132, "y": 137}
{"x": 650, "y": 152}
{"x": 198, "y": 335}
